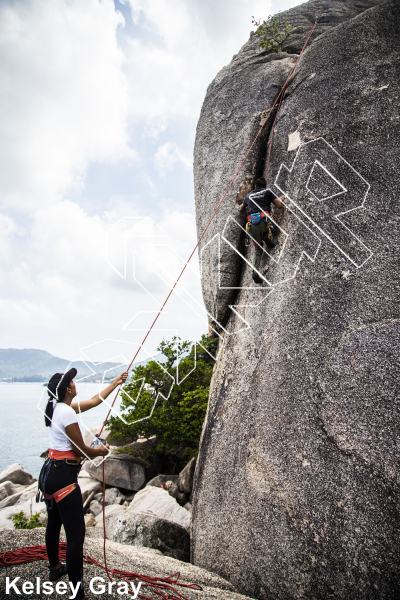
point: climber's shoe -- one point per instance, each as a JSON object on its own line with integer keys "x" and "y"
{"x": 256, "y": 278}
{"x": 57, "y": 573}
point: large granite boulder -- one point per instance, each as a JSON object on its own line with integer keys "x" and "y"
{"x": 16, "y": 474}
{"x": 297, "y": 480}
{"x": 160, "y": 503}
{"x": 235, "y": 107}
{"x": 145, "y": 529}
{"x": 121, "y": 470}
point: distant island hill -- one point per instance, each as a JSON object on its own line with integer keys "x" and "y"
{"x": 24, "y": 365}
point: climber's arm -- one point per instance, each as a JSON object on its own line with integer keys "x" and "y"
{"x": 278, "y": 201}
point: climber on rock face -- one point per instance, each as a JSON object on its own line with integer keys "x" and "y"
{"x": 259, "y": 224}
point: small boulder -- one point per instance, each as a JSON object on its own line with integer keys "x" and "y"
{"x": 95, "y": 508}
{"x": 114, "y": 496}
{"x": 109, "y": 510}
{"x": 28, "y": 493}
{"x": 16, "y": 474}
{"x": 88, "y": 485}
{"x": 90, "y": 521}
{"x": 185, "y": 478}
{"x": 121, "y": 470}
{"x": 160, "y": 479}
{"x": 10, "y": 500}
{"x": 147, "y": 530}
{"x": 179, "y": 496}
{"x": 7, "y": 489}
{"x": 160, "y": 503}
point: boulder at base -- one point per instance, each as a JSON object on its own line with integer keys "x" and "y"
{"x": 185, "y": 479}
{"x": 113, "y": 496}
{"x": 16, "y": 474}
{"x": 109, "y": 510}
{"x": 160, "y": 503}
{"x": 160, "y": 479}
{"x": 88, "y": 485}
{"x": 148, "y": 530}
{"x": 7, "y": 489}
{"x": 121, "y": 470}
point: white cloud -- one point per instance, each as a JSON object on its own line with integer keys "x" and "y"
{"x": 168, "y": 155}
{"x": 72, "y": 103}
{"x": 63, "y": 99}
{"x": 186, "y": 44}
{"x": 8, "y": 229}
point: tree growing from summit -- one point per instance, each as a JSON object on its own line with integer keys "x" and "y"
{"x": 271, "y": 33}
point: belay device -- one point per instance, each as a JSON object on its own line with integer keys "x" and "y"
{"x": 98, "y": 441}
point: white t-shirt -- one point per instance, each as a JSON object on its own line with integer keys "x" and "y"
{"x": 63, "y": 416}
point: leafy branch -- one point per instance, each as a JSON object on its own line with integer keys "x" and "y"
{"x": 20, "y": 521}
{"x": 272, "y": 33}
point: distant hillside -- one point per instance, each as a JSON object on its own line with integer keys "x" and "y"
{"x": 39, "y": 365}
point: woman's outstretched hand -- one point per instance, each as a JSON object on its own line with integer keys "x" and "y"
{"x": 120, "y": 379}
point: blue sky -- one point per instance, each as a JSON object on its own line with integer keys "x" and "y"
{"x": 98, "y": 111}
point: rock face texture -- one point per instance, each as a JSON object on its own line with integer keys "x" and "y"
{"x": 144, "y": 529}
{"x": 297, "y": 481}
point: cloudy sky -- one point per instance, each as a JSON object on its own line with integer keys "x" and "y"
{"x": 98, "y": 109}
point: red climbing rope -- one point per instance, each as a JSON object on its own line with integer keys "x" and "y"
{"x": 162, "y": 586}
{"x": 282, "y": 93}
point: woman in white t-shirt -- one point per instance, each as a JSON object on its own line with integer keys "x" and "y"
{"x": 64, "y": 498}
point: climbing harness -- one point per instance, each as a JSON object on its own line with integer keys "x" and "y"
{"x": 67, "y": 457}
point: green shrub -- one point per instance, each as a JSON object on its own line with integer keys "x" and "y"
{"x": 20, "y": 521}
{"x": 178, "y": 415}
{"x": 271, "y": 33}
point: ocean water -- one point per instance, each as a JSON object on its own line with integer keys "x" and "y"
{"x": 23, "y": 435}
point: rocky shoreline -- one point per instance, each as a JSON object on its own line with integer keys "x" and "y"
{"x": 150, "y": 513}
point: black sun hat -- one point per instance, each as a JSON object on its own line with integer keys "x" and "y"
{"x": 58, "y": 384}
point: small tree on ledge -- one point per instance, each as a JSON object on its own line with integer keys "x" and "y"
{"x": 271, "y": 33}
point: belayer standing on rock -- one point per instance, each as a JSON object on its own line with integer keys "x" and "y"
{"x": 58, "y": 479}
{"x": 259, "y": 225}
